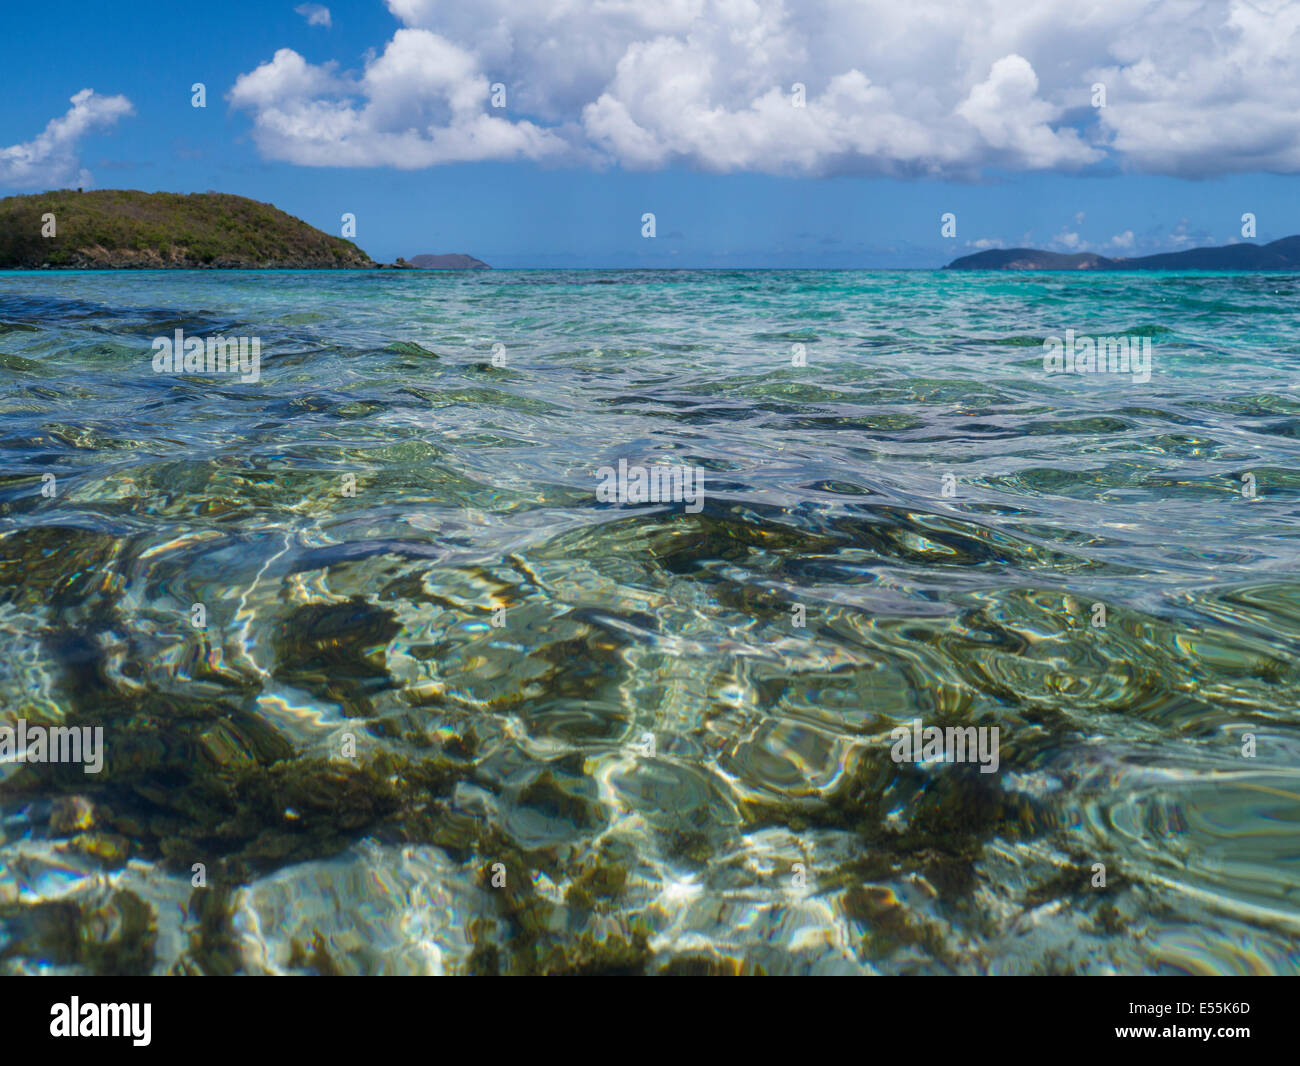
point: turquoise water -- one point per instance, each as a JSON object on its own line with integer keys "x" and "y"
{"x": 433, "y": 660}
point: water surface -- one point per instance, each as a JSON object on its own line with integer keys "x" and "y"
{"x": 395, "y": 537}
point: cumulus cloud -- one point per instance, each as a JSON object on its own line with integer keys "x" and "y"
{"x": 804, "y": 87}
{"x": 1014, "y": 121}
{"x": 315, "y": 14}
{"x": 1215, "y": 90}
{"x": 50, "y": 159}
{"x": 423, "y": 102}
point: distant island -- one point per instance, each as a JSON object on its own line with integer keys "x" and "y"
{"x": 109, "y": 229}
{"x": 1281, "y": 254}
{"x": 453, "y": 261}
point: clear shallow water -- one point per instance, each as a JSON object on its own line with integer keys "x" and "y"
{"x": 769, "y": 830}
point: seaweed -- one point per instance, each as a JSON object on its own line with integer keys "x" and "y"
{"x": 1108, "y": 920}
{"x": 115, "y": 938}
{"x": 547, "y": 795}
{"x": 950, "y": 813}
{"x": 600, "y": 883}
{"x": 1074, "y": 881}
{"x": 485, "y": 958}
{"x": 336, "y": 652}
{"x": 888, "y": 925}
{"x": 248, "y": 818}
{"x": 314, "y": 957}
{"x": 213, "y": 950}
{"x": 588, "y": 956}
{"x": 701, "y": 965}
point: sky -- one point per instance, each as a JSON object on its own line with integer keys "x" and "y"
{"x": 758, "y": 133}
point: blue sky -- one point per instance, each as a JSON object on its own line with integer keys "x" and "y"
{"x": 609, "y": 119}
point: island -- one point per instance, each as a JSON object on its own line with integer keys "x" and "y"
{"x": 451, "y": 261}
{"x": 1283, "y": 254}
{"x": 113, "y": 229}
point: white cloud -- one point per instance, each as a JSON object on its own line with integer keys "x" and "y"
{"x": 315, "y": 14}
{"x": 1123, "y": 240}
{"x": 419, "y": 104}
{"x": 1071, "y": 242}
{"x": 985, "y": 243}
{"x": 924, "y": 88}
{"x": 1014, "y": 122}
{"x": 1204, "y": 90}
{"x": 50, "y": 161}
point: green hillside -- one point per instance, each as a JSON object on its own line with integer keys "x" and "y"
{"x": 124, "y": 228}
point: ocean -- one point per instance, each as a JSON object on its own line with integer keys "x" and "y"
{"x": 775, "y": 622}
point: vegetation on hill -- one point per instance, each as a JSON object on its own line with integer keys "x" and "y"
{"x": 125, "y": 228}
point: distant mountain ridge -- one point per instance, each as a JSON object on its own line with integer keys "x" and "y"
{"x": 1283, "y": 254}
{"x": 127, "y": 229}
{"x": 450, "y": 261}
